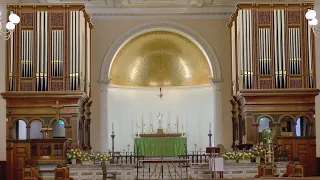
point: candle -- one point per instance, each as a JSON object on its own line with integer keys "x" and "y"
{"x": 209, "y": 126}
{"x": 177, "y": 124}
{"x": 112, "y": 128}
{"x": 160, "y": 89}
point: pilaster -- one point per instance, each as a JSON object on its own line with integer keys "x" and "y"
{"x": 104, "y": 115}
{"x": 217, "y": 111}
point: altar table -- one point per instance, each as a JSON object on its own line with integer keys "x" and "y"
{"x": 160, "y": 146}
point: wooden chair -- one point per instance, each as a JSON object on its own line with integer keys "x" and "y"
{"x": 294, "y": 170}
{"x": 31, "y": 173}
{"x": 62, "y": 173}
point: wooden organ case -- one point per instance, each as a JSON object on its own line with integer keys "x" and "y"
{"x": 273, "y": 77}
{"x": 48, "y": 84}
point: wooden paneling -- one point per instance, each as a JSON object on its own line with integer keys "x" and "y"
{"x": 3, "y": 170}
{"x": 304, "y": 149}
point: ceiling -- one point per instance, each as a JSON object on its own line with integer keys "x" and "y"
{"x": 160, "y": 58}
{"x": 213, "y": 9}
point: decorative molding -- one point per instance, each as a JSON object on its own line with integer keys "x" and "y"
{"x": 175, "y": 13}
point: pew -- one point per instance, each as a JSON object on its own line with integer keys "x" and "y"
{"x": 31, "y": 173}
{"x": 62, "y": 173}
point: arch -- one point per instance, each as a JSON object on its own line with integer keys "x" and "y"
{"x": 17, "y": 119}
{"x": 270, "y": 122}
{"x": 37, "y": 119}
{"x": 60, "y": 118}
{"x": 303, "y": 130}
{"x": 161, "y": 25}
{"x": 265, "y": 115}
{"x": 287, "y": 115}
{"x": 35, "y": 129}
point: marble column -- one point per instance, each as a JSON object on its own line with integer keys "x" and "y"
{"x": 217, "y": 112}
{"x": 104, "y": 116}
{"x": 317, "y": 104}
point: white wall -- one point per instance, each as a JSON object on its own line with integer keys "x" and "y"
{"x": 192, "y": 103}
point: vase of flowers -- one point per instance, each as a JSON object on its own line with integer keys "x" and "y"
{"x": 229, "y": 157}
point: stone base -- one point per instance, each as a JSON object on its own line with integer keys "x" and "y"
{"x": 129, "y": 172}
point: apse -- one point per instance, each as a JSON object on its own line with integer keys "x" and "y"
{"x": 146, "y": 63}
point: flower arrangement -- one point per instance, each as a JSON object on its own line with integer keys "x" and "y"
{"x": 258, "y": 151}
{"x": 245, "y": 155}
{"x": 102, "y": 157}
{"x": 86, "y": 157}
{"x": 75, "y": 153}
{"x": 229, "y": 156}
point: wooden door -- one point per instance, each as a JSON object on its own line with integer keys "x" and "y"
{"x": 289, "y": 145}
{"x": 302, "y": 152}
{"x": 20, "y": 157}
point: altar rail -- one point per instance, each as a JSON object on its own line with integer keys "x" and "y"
{"x": 195, "y": 157}
{"x": 130, "y": 158}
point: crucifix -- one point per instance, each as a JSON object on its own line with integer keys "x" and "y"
{"x": 57, "y": 107}
{"x": 160, "y": 120}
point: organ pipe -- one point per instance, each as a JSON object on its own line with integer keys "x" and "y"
{"x": 245, "y": 55}
{"x": 283, "y": 41}
{"x": 52, "y": 51}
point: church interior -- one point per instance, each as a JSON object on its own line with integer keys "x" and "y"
{"x": 159, "y": 89}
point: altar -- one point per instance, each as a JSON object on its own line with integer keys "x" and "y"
{"x": 160, "y": 146}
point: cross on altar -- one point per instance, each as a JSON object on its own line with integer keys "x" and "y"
{"x": 57, "y": 107}
{"x": 160, "y": 120}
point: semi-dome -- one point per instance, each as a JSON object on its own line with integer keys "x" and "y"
{"x": 160, "y": 58}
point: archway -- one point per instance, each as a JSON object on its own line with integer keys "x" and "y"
{"x": 154, "y": 27}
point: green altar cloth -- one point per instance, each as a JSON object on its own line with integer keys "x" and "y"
{"x": 160, "y": 146}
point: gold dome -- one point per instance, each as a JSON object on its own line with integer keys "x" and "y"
{"x": 160, "y": 58}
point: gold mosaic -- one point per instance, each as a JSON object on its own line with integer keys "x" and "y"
{"x": 160, "y": 58}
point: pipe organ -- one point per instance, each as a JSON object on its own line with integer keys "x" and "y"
{"x": 272, "y": 47}
{"x": 273, "y": 66}
{"x": 50, "y": 50}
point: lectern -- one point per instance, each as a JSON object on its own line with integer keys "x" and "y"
{"x": 215, "y": 164}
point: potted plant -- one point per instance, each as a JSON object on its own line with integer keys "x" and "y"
{"x": 229, "y": 157}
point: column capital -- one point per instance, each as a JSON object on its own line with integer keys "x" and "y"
{"x": 216, "y": 83}
{"x": 104, "y": 84}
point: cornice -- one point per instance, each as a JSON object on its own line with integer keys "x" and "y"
{"x": 157, "y": 13}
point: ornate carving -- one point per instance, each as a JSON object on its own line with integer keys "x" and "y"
{"x": 293, "y": 17}
{"x": 47, "y": 120}
{"x": 56, "y": 86}
{"x": 264, "y": 17}
{"x": 26, "y": 19}
{"x": 276, "y": 117}
{"x": 295, "y": 83}
{"x": 26, "y": 86}
{"x": 265, "y": 84}
{"x": 57, "y": 19}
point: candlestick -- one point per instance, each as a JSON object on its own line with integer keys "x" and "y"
{"x": 177, "y": 124}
